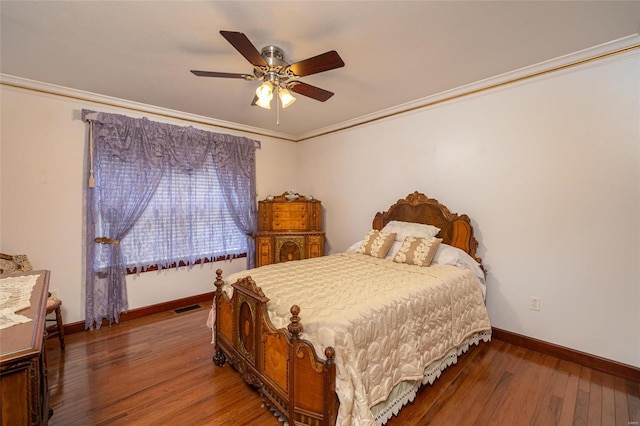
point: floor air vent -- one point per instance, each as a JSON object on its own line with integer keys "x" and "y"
{"x": 186, "y": 308}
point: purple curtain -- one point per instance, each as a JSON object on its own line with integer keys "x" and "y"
{"x": 236, "y": 165}
{"x": 121, "y": 145}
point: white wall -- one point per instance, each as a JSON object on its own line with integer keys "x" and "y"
{"x": 548, "y": 170}
{"x": 42, "y": 152}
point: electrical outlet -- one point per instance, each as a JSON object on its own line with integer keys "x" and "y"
{"x": 534, "y": 303}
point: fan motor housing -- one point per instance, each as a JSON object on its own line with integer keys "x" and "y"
{"x": 274, "y": 56}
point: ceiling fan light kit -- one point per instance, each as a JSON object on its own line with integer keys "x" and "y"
{"x": 270, "y": 67}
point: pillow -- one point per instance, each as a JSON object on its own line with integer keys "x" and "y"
{"x": 377, "y": 243}
{"x": 390, "y": 254}
{"x": 353, "y": 247}
{"x": 418, "y": 251}
{"x": 406, "y": 229}
{"x": 449, "y": 255}
{"x": 10, "y": 264}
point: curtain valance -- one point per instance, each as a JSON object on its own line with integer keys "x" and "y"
{"x": 184, "y": 148}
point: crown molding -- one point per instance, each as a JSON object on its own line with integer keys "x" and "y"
{"x": 617, "y": 47}
{"x": 625, "y": 45}
{"x": 112, "y": 102}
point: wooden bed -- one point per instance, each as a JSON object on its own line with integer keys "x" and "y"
{"x": 285, "y": 369}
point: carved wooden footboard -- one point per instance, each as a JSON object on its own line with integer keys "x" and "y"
{"x": 284, "y": 368}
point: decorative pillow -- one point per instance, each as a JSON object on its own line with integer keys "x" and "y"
{"x": 377, "y": 243}
{"x": 406, "y": 229}
{"x": 390, "y": 254}
{"x": 10, "y": 264}
{"x": 418, "y": 251}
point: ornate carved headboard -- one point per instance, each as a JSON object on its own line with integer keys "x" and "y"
{"x": 455, "y": 230}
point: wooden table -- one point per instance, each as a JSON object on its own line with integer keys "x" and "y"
{"x": 23, "y": 373}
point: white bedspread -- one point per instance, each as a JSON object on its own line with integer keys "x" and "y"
{"x": 386, "y": 321}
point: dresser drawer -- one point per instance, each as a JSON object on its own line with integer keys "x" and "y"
{"x": 289, "y": 225}
{"x": 297, "y": 216}
{"x": 290, "y": 207}
{"x": 289, "y": 215}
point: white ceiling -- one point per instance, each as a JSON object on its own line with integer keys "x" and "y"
{"x": 395, "y": 52}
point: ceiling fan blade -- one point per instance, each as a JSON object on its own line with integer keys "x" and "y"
{"x": 324, "y": 62}
{"x": 245, "y": 47}
{"x": 220, "y": 74}
{"x": 311, "y": 91}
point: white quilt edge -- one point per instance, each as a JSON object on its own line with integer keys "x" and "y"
{"x": 431, "y": 374}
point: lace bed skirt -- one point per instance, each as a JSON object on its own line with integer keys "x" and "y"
{"x": 406, "y": 392}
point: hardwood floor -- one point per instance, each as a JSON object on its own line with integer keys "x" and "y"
{"x": 157, "y": 370}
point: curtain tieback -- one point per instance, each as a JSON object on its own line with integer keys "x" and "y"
{"x": 105, "y": 240}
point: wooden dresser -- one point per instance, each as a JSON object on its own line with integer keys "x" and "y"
{"x": 289, "y": 229}
{"x": 23, "y": 372}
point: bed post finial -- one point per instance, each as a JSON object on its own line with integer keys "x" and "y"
{"x": 219, "y": 282}
{"x": 295, "y": 328}
{"x": 330, "y": 353}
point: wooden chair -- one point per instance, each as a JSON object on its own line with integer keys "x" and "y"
{"x": 57, "y": 329}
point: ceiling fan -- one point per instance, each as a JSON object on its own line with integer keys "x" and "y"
{"x": 276, "y": 74}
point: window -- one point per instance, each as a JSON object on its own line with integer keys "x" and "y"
{"x": 191, "y": 209}
{"x": 159, "y": 195}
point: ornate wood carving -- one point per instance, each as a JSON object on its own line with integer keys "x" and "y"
{"x": 295, "y": 327}
{"x": 219, "y": 359}
{"x": 246, "y": 328}
{"x": 275, "y": 363}
{"x": 249, "y": 286}
{"x": 289, "y": 248}
{"x": 289, "y": 229}
{"x": 285, "y": 369}
{"x": 330, "y": 353}
{"x": 455, "y": 229}
{"x": 219, "y": 282}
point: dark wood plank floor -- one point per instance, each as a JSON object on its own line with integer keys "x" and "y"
{"x": 157, "y": 370}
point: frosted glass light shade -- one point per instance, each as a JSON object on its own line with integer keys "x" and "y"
{"x": 264, "y": 93}
{"x": 286, "y": 97}
{"x": 264, "y": 102}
